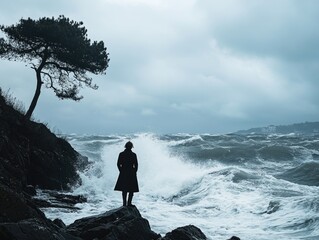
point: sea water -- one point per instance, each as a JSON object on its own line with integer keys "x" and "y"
{"x": 252, "y": 186}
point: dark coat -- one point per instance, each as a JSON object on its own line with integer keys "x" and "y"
{"x": 127, "y": 165}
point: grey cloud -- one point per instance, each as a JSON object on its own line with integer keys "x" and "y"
{"x": 191, "y": 66}
{"x": 286, "y": 29}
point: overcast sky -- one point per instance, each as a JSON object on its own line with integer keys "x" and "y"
{"x": 191, "y": 66}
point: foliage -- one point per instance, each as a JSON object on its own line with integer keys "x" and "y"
{"x": 12, "y": 101}
{"x": 58, "y": 50}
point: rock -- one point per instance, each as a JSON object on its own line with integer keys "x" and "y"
{"x": 125, "y": 223}
{"x": 30, "y": 154}
{"x": 189, "y": 232}
{"x": 272, "y": 207}
{"x": 58, "y": 222}
{"x": 15, "y": 206}
{"x": 29, "y": 189}
{"x": 42, "y": 203}
{"x": 33, "y": 229}
{"x": 59, "y": 200}
{"x": 52, "y": 160}
{"x": 68, "y": 198}
{"x": 234, "y": 238}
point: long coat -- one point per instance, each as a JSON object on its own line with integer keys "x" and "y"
{"x": 127, "y": 165}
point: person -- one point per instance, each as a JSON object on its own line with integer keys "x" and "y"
{"x": 127, "y": 179}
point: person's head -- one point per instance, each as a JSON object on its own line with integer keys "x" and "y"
{"x": 129, "y": 145}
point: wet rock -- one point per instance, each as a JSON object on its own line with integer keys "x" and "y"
{"x": 125, "y": 223}
{"x": 58, "y": 222}
{"x": 189, "y": 232}
{"x": 234, "y": 238}
{"x": 68, "y": 198}
{"x": 272, "y": 207}
{"x": 33, "y": 229}
{"x": 15, "y": 206}
{"x": 46, "y": 204}
{"x": 55, "y": 199}
{"x": 29, "y": 189}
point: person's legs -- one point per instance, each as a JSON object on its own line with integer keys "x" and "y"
{"x": 130, "y": 197}
{"x": 124, "y": 194}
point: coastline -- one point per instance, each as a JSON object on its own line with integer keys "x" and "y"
{"x": 33, "y": 157}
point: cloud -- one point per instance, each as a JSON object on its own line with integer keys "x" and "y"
{"x": 148, "y": 112}
{"x": 285, "y": 29}
{"x": 184, "y": 66}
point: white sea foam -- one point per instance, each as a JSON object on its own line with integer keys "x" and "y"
{"x": 222, "y": 200}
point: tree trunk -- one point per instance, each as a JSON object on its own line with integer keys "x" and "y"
{"x": 36, "y": 95}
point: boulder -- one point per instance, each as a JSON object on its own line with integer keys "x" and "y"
{"x": 189, "y": 232}
{"x": 59, "y": 223}
{"x": 234, "y": 238}
{"x": 15, "y": 206}
{"x": 125, "y": 223}
{"x": 33, "y": 229}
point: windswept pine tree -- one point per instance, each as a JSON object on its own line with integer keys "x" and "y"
{"x": 59, "y": 51}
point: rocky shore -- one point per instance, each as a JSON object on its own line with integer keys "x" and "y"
{"x": 32, "y": 157}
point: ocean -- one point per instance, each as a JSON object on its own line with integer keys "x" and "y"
{"x": 254, "y": 186}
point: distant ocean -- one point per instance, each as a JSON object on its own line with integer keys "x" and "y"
{"x": 257, "y": 186}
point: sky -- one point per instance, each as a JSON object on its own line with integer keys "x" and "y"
{"x": 182, "y": 66}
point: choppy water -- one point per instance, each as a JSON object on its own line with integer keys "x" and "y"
{"x": 254, "y": 186}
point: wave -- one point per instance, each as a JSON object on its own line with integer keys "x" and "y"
{"x": 276, "y": 153}
{"x": 225, "y": 155}
{"x": 160, "y": 173}
{"x": 217, "y": 182}
{"x": 236, "y": 175}
{"x": 185, "y": 140}
{"x": 306, "y": 174}
{"x": 308, "y": 222}
{"x": 310, "y": 204}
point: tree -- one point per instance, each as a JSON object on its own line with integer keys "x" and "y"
{"x": 60, "y": 53}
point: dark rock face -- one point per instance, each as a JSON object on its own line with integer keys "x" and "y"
{"x": 52, "y": 160}
{"x": 31, "y": 154}
{"x": 189, "y": 232}
{"x": 14, "y": 206}
{"x": 125, "y": 223}
{"x": 33, "y": 229}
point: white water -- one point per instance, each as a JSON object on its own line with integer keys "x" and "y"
{"x": 175, "y": 192}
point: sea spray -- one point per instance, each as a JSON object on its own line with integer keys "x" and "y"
{"x": 160, "y": 174}
{"x": 224, "y": 184}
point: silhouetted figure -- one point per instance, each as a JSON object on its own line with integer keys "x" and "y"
{"x": 127, "y": 180}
